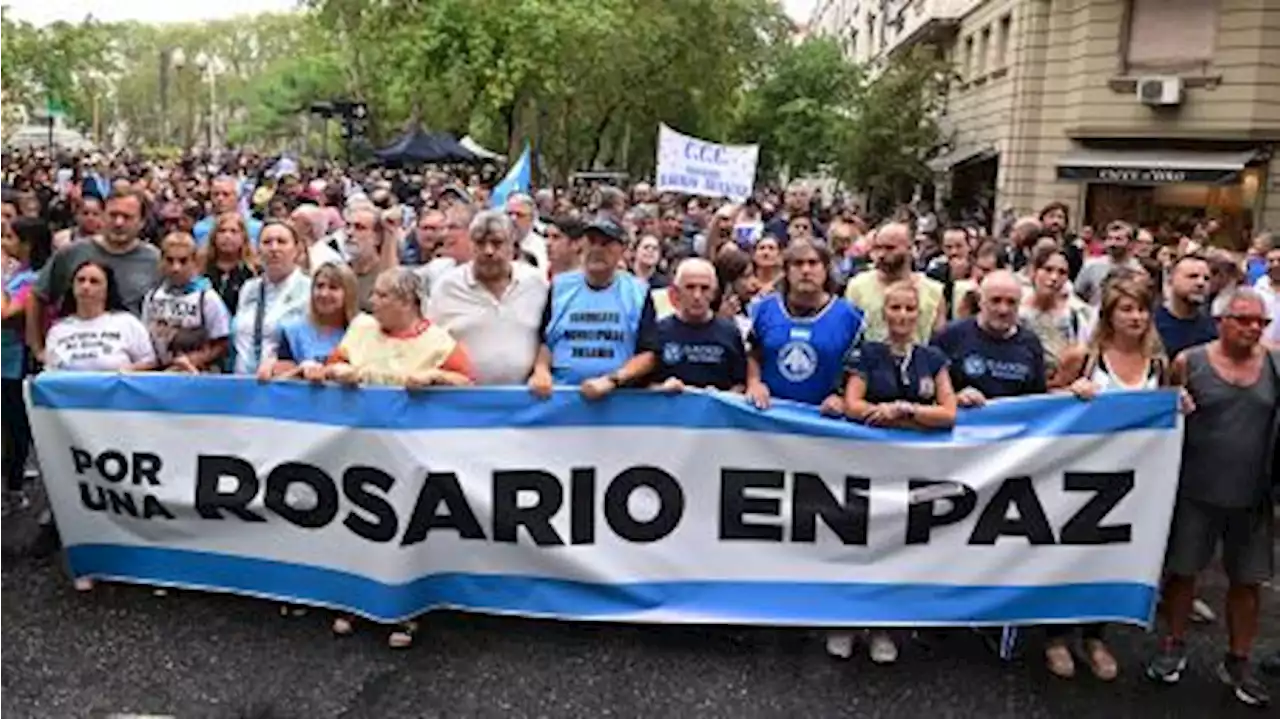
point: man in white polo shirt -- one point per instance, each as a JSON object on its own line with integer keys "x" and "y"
{"x": 492, "y": 304}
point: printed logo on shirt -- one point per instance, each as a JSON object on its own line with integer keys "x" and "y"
{"x": 797, "y": 361}
{"x": 975, "y": 365}
{"x": 927, "y": 388}
{"x": 672, "y": 353}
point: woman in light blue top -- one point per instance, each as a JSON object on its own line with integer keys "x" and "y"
{"x": 303, "y": 344}
{"x": 281, "y": 293}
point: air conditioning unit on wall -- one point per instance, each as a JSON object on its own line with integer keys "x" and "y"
{"x": 1160, "y": 91}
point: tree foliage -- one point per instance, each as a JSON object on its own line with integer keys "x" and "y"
{"x": 586, "y": 81}
{"x": 894, "y": 126}
{"x": 800, "y": 109}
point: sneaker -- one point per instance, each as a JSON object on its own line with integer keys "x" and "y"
{"x": 1235, "y": 673}
{"x": 342, "y": 627}
{"x": 840, "y": 645}
{"x": 83, "y": 584}
{"x": 402, "y": 638}
{"x": 882, "y": 649}
{"x": 1168, "y": 664}
{"x": 1202, "y": 613}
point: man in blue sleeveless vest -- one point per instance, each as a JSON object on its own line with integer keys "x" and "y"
{"x": 599, "y": 329}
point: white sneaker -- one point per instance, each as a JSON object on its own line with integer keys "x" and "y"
{"x": 840, "y": 645}
{"x": 83, "y": 584}
{"x": 1202, "y": 613}
{"x": 882, "y": 649}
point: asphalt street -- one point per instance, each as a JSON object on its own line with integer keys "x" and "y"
{"x": 119, "y": 650}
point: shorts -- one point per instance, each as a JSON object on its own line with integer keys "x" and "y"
{"x": 1246, "y": 536}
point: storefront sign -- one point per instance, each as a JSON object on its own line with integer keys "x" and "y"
{"x": 1148, "y": 175}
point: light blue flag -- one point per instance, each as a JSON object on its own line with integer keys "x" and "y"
{"x": 518, "y": 179}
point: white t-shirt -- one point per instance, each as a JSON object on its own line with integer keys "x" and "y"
{"x": 500, "y": 333}
{"x": 109, "y": 342}
{"x": 165, "y": 312}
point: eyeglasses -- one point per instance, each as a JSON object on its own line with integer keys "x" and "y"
{"x": 1249, "y": 320}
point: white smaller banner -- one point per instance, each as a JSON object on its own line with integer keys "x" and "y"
{"x": 697, "y": 167}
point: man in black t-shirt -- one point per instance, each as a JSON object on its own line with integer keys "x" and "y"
{"x": 696, "y": 348}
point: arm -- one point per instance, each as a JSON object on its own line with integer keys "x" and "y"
{"x": 856, "y": 406}
{"x": 1070, "y": 367}
{"x": 940, "y": 317}
{"x": 35, "y": 324}
{"x": 936, "y": 416}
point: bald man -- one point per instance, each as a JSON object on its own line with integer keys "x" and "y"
{"x": 991, "y": 355}
{"x": 697, "y": 348}
{"x": 892, "y": 245}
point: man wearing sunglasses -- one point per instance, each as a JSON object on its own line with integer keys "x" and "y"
{"x": 1224, "y": 489}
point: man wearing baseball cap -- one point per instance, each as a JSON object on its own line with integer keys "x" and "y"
{"x": 598, "y": 329}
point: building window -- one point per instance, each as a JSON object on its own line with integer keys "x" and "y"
{"x": 966, "y": 67}
{"x": 1170, "y": 34}
{"x": 984, "y": 45}
{"x": 1002, "y": 41}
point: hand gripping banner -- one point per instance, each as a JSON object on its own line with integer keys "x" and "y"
{"x": 647, "y": 507}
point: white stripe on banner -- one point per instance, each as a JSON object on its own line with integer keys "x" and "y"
{"x": 643, "y": 507}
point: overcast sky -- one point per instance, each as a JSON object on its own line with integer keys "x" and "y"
{"x": 42, "y": 12}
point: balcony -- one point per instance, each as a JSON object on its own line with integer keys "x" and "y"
{"x": 911, "y": 22}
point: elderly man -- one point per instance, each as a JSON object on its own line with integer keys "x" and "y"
{"x": 598, "y": 330}
{"x": 991, "y": 355}
{"x": 1224, "y": 489}
{"x": 455, "y": 248}
{"x": 893, "y": 264}
{"x": 366, "y": 252}
{"x": 223, "y": 198}
{"x": 492, "y": 304}
{"x": 698, "y": 349}
{"x": 523, "y": 213}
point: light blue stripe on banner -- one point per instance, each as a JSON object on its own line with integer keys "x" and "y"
{"x": 702, "y": 602}
{"x": 496, "y": 407}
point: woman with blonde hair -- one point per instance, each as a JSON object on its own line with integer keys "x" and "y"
{"x": 303, "y": 344}
{"x": 229, "y": 259}
{"x": 896, "y": 383}
{"x": 1124, "y": 354}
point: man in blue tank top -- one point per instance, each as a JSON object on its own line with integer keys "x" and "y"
{"x": 598, "y": 329}
{"x": 800, "y": 334}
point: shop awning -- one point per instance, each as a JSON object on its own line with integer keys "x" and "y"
{"x": 1153, "y": 167}
{"x": 950, "y": 160}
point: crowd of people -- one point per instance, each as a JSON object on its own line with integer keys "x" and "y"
{"x": 413, "y": 280}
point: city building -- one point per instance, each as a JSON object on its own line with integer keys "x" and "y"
{"x": 1161, "y": 111}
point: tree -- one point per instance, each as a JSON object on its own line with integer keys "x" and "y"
{"x": 894, "y": 126}
{"x": 55, "y": 65}
{"x": 800, "y": 109}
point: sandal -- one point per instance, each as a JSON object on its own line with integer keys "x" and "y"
{"x": 402, "y": 638}
{"x": 342, "y": 626}
{"x": 1059, "y": 660}
{"x": 1101, "y": 661}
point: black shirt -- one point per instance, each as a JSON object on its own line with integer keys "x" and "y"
{"x": 704, "y": 355}
{"x": 995, "y": 366}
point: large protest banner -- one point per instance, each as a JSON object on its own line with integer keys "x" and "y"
{"x": 642, "y": 507}
{"x": 697, "y": 167}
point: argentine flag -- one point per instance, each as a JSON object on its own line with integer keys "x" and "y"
{"x": 517, "y": 180}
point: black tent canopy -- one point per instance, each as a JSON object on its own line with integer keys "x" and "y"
{"x": 418, "y": 146}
